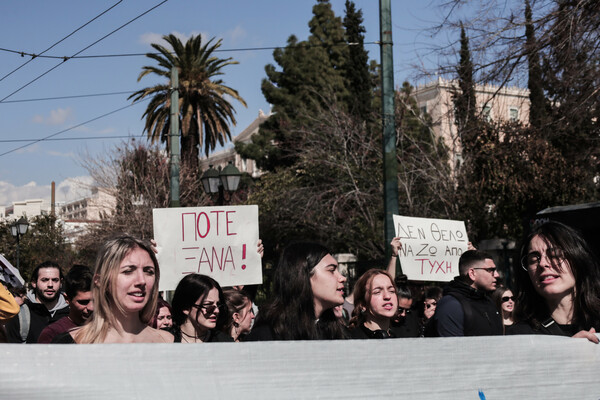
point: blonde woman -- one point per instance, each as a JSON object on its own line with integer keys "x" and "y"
{"x": 125, "y": 293}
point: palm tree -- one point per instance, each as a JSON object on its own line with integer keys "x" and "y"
{"x": 205, "y": 111}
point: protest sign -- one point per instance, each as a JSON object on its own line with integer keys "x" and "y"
{"x": 216, "y": 241}
{"x": 431, "y": 248}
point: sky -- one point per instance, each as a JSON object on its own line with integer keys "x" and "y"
{"x": 91, "y": 123}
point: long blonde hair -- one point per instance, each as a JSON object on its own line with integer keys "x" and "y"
{"x": 106, "y": 270}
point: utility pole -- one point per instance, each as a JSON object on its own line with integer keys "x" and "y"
{"x": 174, "y": 138}
{"x": 390, "y": 163}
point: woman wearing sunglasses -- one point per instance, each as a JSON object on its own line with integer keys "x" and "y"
{"x": 505, "y": 302}
{"x": 558, "y": 285}
{"x": 199, "y": 311}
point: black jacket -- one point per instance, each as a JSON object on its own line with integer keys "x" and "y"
{"x": 40, "y": 317}
{"x": 465, "y": 311}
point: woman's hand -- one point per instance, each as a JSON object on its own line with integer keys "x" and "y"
{"x": 260, "y": 249}
{"x": 428, "y": 312}
{"x": 396, "y": 246}
{"x": 589, "y": 335}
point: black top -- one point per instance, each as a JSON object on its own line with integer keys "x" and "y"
{"x": 213, "y": 336}
{"x": 362, "y": 332}
{"x": 408, "y": 326}
{"x": 547, "y": 327}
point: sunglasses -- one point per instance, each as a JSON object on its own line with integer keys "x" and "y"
{"x": 507, "y": 298}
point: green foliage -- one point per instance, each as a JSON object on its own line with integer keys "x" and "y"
{"x": 465, "y": 102}
{"x": 356, "y": 69}
{"x": 333, "y": 191}
{"x": 44, "y": 241}
{"x": 311, "y": 75}
{"x": 537, "y": 105}
{"x": 204, "y": 106}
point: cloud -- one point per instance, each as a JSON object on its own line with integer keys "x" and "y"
{"x": 237, "y": 34}
{"x": 59, "y": 154}
{"x": 68, "y": 190}
{"x": 56, "y": 117}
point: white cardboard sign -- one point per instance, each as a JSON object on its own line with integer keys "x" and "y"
{"x": 431, "y": 248}
{"x": 216, "y": 241}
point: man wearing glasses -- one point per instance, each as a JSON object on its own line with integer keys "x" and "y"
{"x": 465, "y": 309}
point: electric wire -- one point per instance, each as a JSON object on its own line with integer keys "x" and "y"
{"x": 34, "y": 56}
{"x": 75, "y": 96}
{"x": 239, "y": 49}
{"x": 85, "y": 48}
{"x": 71, "y": 128}
{"x": 69, "y": 138}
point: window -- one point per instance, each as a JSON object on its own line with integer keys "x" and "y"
{"x": 487, "y": 113}
{"x": 513, "y": 114}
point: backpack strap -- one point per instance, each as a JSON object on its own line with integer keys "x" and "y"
{"x": 24, "y": 321}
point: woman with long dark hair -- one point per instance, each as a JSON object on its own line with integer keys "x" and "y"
{"x": 199, "y": 311}
{"x": 307, "y": 285}
{"x": 558, "y": 284}
{"x": 505, "y": 303}
{"x": 240, "y": 314}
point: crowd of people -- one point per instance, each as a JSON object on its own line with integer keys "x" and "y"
{"x": 557, "y": 292}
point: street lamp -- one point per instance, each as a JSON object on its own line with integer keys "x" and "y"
{"x": 18, "y": 229}
{"x": 221, "y": 180}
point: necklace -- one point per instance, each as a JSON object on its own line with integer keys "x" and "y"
{"x": 195, "y": 337}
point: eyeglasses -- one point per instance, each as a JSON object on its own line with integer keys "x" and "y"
{"x": 402, "y": 310}
{"x": 209, "y": 308}
{"x": 532, "y": 260}
{"x": 507, "y": 298}
{"x": 429, "y": 305}
{"x": 491, "y": 270}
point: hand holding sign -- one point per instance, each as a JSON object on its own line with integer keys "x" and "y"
{"x": 216, "y": 241}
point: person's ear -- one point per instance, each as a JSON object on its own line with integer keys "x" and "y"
{"x": 186, "y": 311}
{"x": 236, "y": 318}
{"x": 471, "y": 274}
{"x": 97, "y": 280}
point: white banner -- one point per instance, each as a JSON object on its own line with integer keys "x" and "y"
{"x": 431, "y": 248}
{"x": 471, "y": 368}
{"x": 219, "y": 242}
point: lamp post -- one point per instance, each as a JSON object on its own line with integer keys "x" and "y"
{"x": 18, "y": 229}
{"x": 221, "y": 180}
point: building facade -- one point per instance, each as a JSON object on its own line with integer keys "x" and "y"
{"x": 493, "y": 102}
{"x": 223, "y": 157}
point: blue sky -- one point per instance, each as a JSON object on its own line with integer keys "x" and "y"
{"x": 31, "y": 28}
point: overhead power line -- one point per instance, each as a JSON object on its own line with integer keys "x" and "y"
{"x": 85, "y": 48}
{"x": 69, "y": 138}
{"x": 65, "y": 58}
{"x": 61, "y": 40}
{"x": 75, "y": 96}
{"x": 71, "y": 128}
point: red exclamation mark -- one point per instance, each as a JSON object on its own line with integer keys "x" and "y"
{"x": 243, "y": 255}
